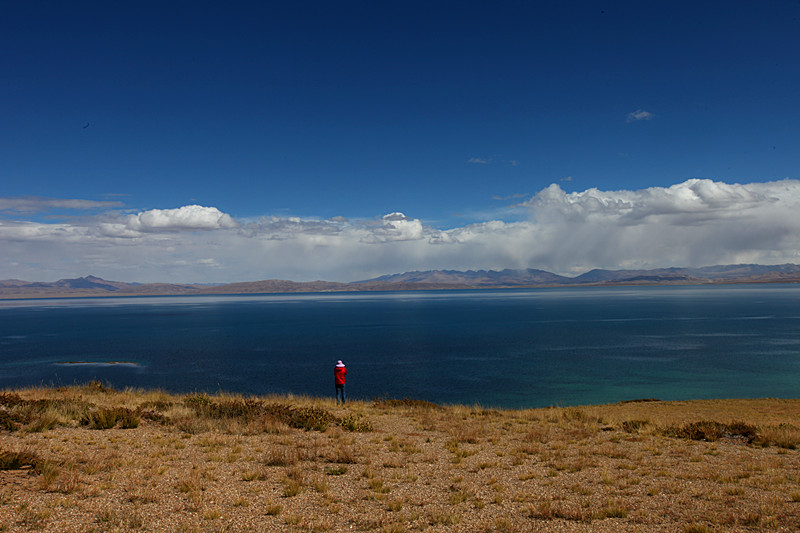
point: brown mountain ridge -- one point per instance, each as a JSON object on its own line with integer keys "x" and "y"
{"x": 416, "y": 280}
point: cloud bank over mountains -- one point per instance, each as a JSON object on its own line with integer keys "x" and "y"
{"x": 694, "y": 223}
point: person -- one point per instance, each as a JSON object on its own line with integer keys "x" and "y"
{"x": 339, "y": 373}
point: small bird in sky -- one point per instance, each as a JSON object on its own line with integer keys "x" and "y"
{"x": 86, "y": 125}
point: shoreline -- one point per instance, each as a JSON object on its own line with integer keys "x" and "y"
{"x": 406, "y": 287}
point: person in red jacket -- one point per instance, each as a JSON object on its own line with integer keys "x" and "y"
{"x": 339, "y": 373}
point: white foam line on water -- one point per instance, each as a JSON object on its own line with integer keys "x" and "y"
{"x": 129, "y": 364}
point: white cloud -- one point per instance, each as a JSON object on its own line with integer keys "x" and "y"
{"x": 694, "y": 223}
{"x": 515, "y": 196}
{"x": 395, "y": 227}
{"x": 639, "y": 114}
{"x": 189, "y": 217}
{"x": 492, "y": 160}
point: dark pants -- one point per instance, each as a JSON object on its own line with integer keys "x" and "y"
{"x": 339, "y": 391}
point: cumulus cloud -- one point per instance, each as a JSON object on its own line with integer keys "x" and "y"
{"x": 189, "y": 217}
{"x": 689, "y": 202}
{"x": 395, "y": 227}
{"x": 693, "y": 223}
{"x": 639, "y": 114}
{"x": 478, "y": 160}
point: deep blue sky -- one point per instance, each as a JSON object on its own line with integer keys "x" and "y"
{"x": 449, "y": 112}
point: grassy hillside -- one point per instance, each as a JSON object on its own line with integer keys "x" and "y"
{"x": 88, "y": 458}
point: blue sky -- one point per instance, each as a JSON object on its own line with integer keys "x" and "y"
{"x": 343, "y": 140}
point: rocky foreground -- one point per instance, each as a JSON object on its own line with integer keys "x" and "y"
{"x": 88, "y": 458}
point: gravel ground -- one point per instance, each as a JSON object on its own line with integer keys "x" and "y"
{"x": 418, "y": 469}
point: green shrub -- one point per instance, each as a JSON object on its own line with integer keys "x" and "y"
{"x": 357, "y": 423}
{"x": 311, "y": 418}
{"x": 197, "y": 401}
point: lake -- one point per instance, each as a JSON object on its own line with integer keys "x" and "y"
{"x": 503, "y": 348}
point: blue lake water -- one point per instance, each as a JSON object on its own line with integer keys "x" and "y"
{"x": 504, "y": 348}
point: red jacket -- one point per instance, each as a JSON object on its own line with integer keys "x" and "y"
{"x": 339, "y": 372}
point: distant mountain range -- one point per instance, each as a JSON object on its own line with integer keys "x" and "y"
{"x": 426, "y": 280}
{"x": 532, "y": 277}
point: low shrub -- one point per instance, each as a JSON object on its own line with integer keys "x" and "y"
{"x": 39, "y": 422}
{"x": 40, "y": 415}
{"x": 110, "y": 417}
{"x": 155, "y": 416}
{"x": 256, "y": 413}
{"x": 711, "y": 431}
{"x": 10, "y": 421}
{"x": 357, "y": 423}
{"x": 281, "y": 456}
{"x": 127, "y": 418}
{"x": 15, "y": 460}
{"x": 338, "y": 470}
{"x": 785, "y": 436}
{"x": 407, "y": 402}
{"x": 242, "y": 409}
{"x": 311, "y": 418}
{"x": 341, "y": 454}
{"x": 10, "y": 399}
{"x": 247, "y": 409}
{"x": 156, "y": 405}
{"x": 98, "y": 386}
{"x": 633, "y": 426}
{"x": 197, "y": 401}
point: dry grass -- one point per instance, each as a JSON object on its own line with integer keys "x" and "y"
{"x": 89, "y": 458}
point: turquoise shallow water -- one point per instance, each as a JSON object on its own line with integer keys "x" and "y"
{"x": 504, "y": 348}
